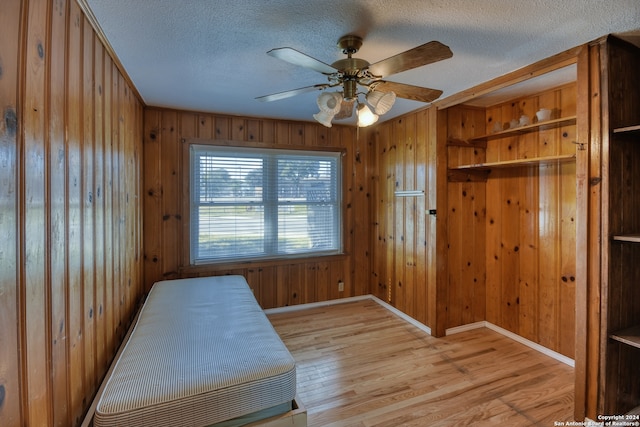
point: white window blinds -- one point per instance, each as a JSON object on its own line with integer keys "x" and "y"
{"x": 263, "y": 203}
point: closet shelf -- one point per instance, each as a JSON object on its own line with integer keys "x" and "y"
{"x": 517, "y": 162}
{"x": 635, "y": 128}
{"x": 548, "y": 124}
{"x": 628, "y": 238}
{"x": 629, "y": 336}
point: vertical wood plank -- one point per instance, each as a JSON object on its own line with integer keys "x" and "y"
{"x": 323, "y": 280}
{"x": 390, "y": 215}
{"x": 253, "y": 130}
{"x": 109, "y": 306}
{"x": 423, "y": 164}
{"x": 361, "y": 205}
{"x": 310, "y": 283}
{"x": 116, "y": 161}
{"x": 269, "y": 278}
{"x": 132, "y": 178}
{"x": 34, "y": 276}
{"x": 74, "y": 230}
{"x": 152, "y": 222}
{"x": 528, "y": 230}
{"x": 10, "y": 146}
{"x": 238, "y": 129}
{"x": 282, "y": 286}
{"x": 98, "y": 209}
{"x": 295, "y": 284}
{"x": 296, "y": 134}
{"x": 567, "y": 235}
{"x": 343, "y": 140}
{"x": 206, "y": 128}
{"x": 57, "y": 204}
{"x": 222, "y": 127}
{"x": 510, "y": 244}
{"x": 398, "y": 132}
{"x": 171, "y": 194}
{"x": 88, "y": 210}
{"x": 410, "y": 213}
{"x": 529, "y": 262}
{"x": 268, "y": 132}
{"x": 378, "y": 272}
{"x": 281, "y": 133}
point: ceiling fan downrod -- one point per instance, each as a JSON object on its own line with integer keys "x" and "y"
{"x": 350, "y": 67}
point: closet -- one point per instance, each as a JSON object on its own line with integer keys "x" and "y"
{"x": 511, "y": 200}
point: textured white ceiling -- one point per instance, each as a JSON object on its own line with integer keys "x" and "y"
{"x": 210, "y": 55}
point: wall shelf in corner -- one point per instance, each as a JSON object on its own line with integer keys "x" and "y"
{"x": 548, "y": 124}
{"x": 518, "y": 162}
{"x": 629, "y": 336}
{"x": 635, "y": 238}
{"x": 635, "y": 128}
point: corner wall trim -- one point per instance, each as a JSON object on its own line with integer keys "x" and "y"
{"x": 402, "y": 315}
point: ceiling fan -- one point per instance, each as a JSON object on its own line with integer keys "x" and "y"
{"x": 351, "y": 73}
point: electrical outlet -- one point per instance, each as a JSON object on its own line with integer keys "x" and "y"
{"x": 340, "y": 286}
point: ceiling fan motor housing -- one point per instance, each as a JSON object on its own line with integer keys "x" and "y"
{"x": 350, "y": 44}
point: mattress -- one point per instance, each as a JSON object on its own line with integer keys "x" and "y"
{"x": 201, "y": 352}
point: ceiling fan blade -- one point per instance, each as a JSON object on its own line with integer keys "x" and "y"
{"x": 298, "y": 58}
{"x": 346, "y": 110}
{"x": 290, "y": 93}
{"x": 416, "y": 93}
{"x": 418, "y": 56}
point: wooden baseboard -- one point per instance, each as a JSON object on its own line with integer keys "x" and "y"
{"x": 296, "y": 307}
{"x": 484, "y": 324}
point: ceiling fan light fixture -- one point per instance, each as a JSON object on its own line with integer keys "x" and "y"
{"x": 381, "y": 101}
{"x": 324, "y": 118}
{"x": 329, "y": 102}
{"x": 352, "y": 73}
{"x": 365, "y": 116}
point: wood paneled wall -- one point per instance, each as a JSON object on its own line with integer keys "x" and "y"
{"x": 275, "y": 283}
{"x": 404, "y": 233}
{"x": 70, "y": 264}
{"x": 465, "y": 300}
{"x": 512, "y": 239}
{"x": 86, "y": 176}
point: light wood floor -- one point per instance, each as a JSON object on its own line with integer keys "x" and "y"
{"x": 361, "y": 365}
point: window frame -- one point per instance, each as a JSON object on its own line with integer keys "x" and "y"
{"x": 337, "y": 154}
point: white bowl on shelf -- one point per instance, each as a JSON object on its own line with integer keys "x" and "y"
{"x": 543, "y": 114}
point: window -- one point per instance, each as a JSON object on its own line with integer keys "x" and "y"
{"x": 263, "y": 203}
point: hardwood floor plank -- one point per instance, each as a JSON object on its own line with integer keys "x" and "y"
{"x": 361, "y": 365}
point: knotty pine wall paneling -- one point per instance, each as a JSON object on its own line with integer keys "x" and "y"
{"x": 70, "y": 268}
{"x": 10, "y": 390}
{"x": 536, "y": 227}
{"x": 167, "y": 134}
{"x": 512, "y": 237}
{"x": 466, "y": 213}
{"x": 401, "y": 234}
